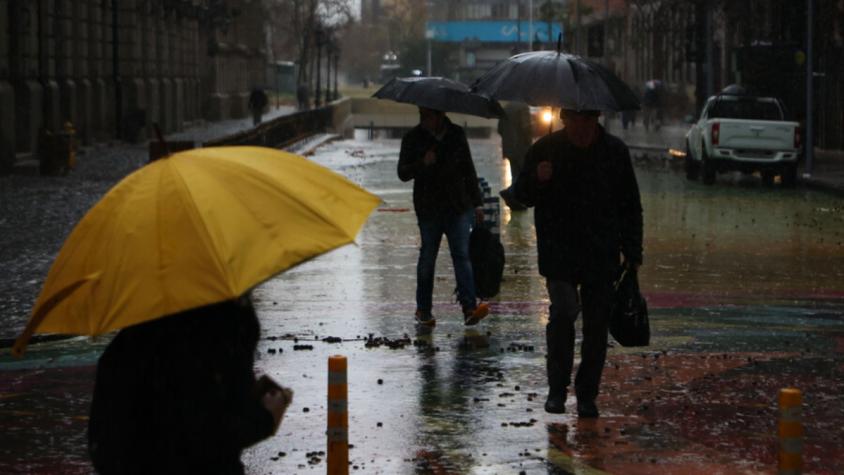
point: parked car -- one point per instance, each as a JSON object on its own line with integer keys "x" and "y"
{"x": 744, "y": 133}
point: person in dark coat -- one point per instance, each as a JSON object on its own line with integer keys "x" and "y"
{"x": 258, "y": 101}
{"x": 178, "y": 395}
{"x": 303, "y": 97}
{"x": 447, "y": 199}
{"x": 516, "y": 137}
{"x": 588, "y": 217}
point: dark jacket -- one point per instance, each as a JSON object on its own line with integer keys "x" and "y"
{"x": 449, "y": 186}
{"x": 588, "y": 212}
{"x": 176, "y": 395}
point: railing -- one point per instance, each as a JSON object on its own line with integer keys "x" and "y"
{"x": 288, "y": 129}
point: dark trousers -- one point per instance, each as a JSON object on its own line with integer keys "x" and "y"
{"x": 559, "y": 334}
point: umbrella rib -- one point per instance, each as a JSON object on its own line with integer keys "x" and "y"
{"x": 193, "y": 210}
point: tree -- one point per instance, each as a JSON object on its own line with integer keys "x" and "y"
{"x": 303, "y": 19}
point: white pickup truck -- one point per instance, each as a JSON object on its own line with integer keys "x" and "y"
{"x": 744, "y": 133}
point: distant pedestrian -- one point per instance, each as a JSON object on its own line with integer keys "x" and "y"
{"x": 516, "y": 137}
{"x": 178, "y": 395}
{"x": 447, "y": 199}
{"x": 588, "y": 215}
{"x": 258, "y": 101}
{"x": 303, "y": 96}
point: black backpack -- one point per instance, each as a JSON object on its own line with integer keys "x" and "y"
{"x": 487, "y": 256}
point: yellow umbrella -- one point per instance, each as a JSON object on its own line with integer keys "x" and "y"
{"x": 196, "y": 228}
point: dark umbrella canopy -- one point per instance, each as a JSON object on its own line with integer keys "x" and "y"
{"x": 440, "y": 94}
{"x": 551, "y": 78}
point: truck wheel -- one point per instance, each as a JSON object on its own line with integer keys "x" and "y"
{"x": 708, "y": 171}
{"x": 767, "y": 177}
{"x": 789, "y": 175}
{"x": 691, "y": 165}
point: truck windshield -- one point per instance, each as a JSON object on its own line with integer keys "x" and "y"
{"x": 745, "y": 109}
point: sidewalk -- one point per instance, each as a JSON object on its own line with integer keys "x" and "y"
{"x": 37, "y": 212}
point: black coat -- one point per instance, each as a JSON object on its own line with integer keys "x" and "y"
{"x": 588, "y": 212}
{"x": 449, "y": 186}
{"x": 176, "y": 395}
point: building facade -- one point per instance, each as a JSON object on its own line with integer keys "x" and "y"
{"x": 112, "y": 68}
{"x": 485, "y": 32}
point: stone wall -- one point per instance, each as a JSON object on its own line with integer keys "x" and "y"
{"x": 115, "y": 67}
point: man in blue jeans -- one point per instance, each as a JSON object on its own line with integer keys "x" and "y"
{"x": 447, "y": 200}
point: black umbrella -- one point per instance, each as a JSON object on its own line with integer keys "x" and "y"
{"x": 440, "y": 94}
{"x": 553, "y": 78}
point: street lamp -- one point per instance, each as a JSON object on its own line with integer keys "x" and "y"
{"x": 329, "y": 52}
{"x": 429, "y": 35}
{"x": 319, "y": 38}
{"x": 336, "y": 69}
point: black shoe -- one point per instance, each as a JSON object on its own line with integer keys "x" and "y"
{"x": 556, "y": 404}
{"x": 587, "y": 409}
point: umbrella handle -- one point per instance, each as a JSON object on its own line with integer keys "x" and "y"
{"x": 41, "y": 312}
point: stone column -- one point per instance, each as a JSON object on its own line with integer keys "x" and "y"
{"x": 133, "y": 95}
{"x": 177, "y": 48}
{"x": 110, "y": 77}
{"x": 149, "y": 55}
{"x": 64, "y": 46}
{"x": 7, "y": 94}
{"x": 24, "y": 68}
{"x": 165, "y": 70}
{"x": 47, "y": 64}
{"x": 82, "y": 70}
{"x": 97, "y": 43}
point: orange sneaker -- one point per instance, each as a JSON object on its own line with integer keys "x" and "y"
{"x": 425, "y": 318}
{"x": 474, "y": 315}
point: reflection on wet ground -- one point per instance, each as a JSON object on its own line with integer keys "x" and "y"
{"x": 746, "y": 286}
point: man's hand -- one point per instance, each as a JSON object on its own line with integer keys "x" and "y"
{"x": 544, "y": 170}
{"x": 634, "y": 266}
{"x": 430, "y": 158}
{"x": 276, "y": 401}
{"x": 479, "y": 215}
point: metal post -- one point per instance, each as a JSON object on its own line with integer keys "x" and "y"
{"x": 577, "y": 27}
{"x": 338, "y": 417}
{"x": 790, "y": 432}
{"x": 429, "y": 57}
{"x": 530, "y": 25}
{"x": 318, "y": 95}
{"x": 336, "y": 72}
{"x": 809, "y": 140}
{"x": 710, "y": 70}
{"x": 328, "y": 52}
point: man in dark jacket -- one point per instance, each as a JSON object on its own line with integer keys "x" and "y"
{"x": 178, "y": 395}
{"x": 447, "y": 199}
{"x": 516, "y": 137}
{"x": 588, "y": 215}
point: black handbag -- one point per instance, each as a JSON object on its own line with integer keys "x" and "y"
{"x": 487, "y": 256}
{"x": 629, "y": 323}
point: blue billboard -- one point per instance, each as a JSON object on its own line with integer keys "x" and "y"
{"x": 490, "y": 31}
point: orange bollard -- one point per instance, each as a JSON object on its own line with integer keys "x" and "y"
{"x": 338, "y": 417}
{"x": 790, "y": 432}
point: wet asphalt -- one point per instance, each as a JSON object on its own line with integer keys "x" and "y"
{"x": 745, "y": 285}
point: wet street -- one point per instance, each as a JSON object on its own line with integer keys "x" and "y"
{"x": 746, "y": 289}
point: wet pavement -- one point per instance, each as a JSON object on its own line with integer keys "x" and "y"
{"x": 745, "y": 285}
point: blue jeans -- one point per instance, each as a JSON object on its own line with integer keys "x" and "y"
{"x": 456, "y": 229}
